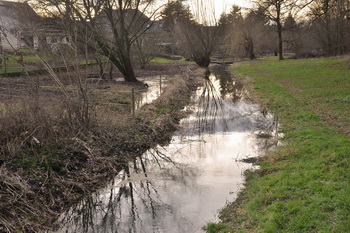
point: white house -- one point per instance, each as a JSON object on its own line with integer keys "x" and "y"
{"x": 15, "y": 19}
{"x": 20, "y": 26}
{"x": 51, "y": 34}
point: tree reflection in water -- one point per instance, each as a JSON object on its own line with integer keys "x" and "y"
{"x": 179, "y": 187}
{"x": 229, "y": 87}
{"x": 221, "y": 105}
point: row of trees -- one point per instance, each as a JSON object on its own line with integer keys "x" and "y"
{"x": 303, "y": 27}
{"x": 117, "y": 29}
{"x": 109, "y": 28}
{"x": 120, "y": 30}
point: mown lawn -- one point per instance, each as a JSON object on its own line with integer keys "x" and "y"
{"x": 304, "y": 185}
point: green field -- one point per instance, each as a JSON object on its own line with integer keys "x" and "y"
{"x": 12, "y": 64}
{"x": 304, "y": 185}
{"x": 14, "y": 68}
{"x": 166, "y": 60}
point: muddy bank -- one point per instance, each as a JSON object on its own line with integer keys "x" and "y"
{"x": 42, "y": 177}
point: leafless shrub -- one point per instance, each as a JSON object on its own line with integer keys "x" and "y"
{"x": 44, "y": 121}
{"x": 67, "y": 153}
{"x": 17, "y": 201}
{"x": 21, "y": 124}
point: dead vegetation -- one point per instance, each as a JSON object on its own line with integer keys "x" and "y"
{"x": 50, "y": 157}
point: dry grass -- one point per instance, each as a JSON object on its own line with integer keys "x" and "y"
{"x": 19, "y": 202}
{"x": 52, "y": 153}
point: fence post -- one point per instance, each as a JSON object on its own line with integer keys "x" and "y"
{"x": 5, "y": 67}
{"x": 160, "y": 84}
{"x": 133, "y": 101}
{"x": 276, "y": 125}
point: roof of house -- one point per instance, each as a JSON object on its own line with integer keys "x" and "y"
{"x": 130, "y": 15}
{"x": 18, "y": 10}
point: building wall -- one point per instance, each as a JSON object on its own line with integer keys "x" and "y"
{"x": 9, "y": 32}
{"x": 16, "y": 20}
{"x": 9, "y": 42}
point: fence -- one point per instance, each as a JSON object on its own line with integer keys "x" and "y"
{"x": 17, "y": 64}
{"x": 11, "y": 63}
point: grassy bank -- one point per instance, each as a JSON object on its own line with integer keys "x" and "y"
{"x": 304, "y": 185}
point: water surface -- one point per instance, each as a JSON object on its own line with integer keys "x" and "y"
{"x": 182, "y": 186}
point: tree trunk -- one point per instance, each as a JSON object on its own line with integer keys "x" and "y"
{"x": 111, "y": 70}
{"x": 100, "y": 67}
{"x": 128, "y": 71}
{"x": 143, "y": 65}
{"x": 202, "y": 61}
{"x": 251, "y": 49}
{"x": 280, "y": 41}
{"x": 125, "y": 67}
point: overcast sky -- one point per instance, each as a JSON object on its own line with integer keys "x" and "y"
{"x": 218, "y": 5}
{"x": 225, "y": 4}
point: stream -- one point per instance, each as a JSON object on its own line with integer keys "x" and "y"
{"x": 156, "y": 84}
{"x": 182, "y": 186}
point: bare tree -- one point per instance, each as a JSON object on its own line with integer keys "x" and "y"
{"x": 197, "y": 35}
{"x": 245, "y": 33}
{"x": 278, "y": 11}
{"x": 198, "y": 41}
{"x": 253, "y": 31}
{"x": 331, "y": 25}
{"x": 294, "y": 33}
{"x": 145, "y": 48}
{"x": 113, "y": 25}
{"x": 230, "y": 24}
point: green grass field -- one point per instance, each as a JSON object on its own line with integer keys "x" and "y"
{"x": 304, "y": 185}
{"x": 12, "y": 64}
{"x": 14, "y": 67}
{"x": 165, "y": 60}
